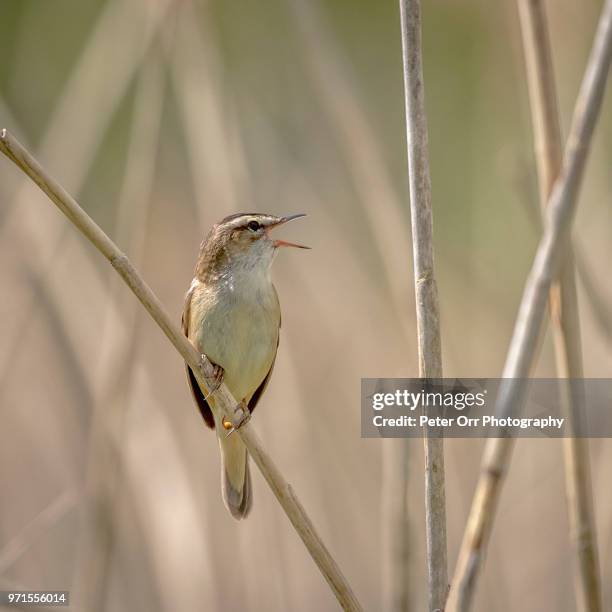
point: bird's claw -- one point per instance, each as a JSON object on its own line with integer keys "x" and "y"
{"x": 216, "y": 379}
{"x": 244, "y": 416}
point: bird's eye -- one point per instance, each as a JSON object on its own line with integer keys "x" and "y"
{"x": 254, "y": 226}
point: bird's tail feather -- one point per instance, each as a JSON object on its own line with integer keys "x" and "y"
{"x": 235, "y": 475}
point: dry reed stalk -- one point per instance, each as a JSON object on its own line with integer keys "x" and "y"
{"x": 201, "y": 367}
{"x": 563, "y": 300}
{"x": 397, "y": 582}
{"x": 426, "y": 291}
{"x": 548, "y": 260}
{"x": 104, "y": 465}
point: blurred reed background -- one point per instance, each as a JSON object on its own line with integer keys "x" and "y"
{"x": 161, "y": 118}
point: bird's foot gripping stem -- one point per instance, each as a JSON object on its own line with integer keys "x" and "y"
{"x": 243, "y": 415}
{"x": 215, "y": 380}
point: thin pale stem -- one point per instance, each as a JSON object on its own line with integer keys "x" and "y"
{"x": 563, "y": 300}
{"x": 104, "y": 465}
{"x": 202, "y": 368}
{"x": 547, "y": 263}
{"x": 428, "y": 316}
{"x": 397, "y": 581}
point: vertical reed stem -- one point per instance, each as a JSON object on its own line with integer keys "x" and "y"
{"x": 427, "y": 310}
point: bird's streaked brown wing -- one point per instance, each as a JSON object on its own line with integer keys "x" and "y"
{"x": 198, "y": 396}
{"x": 259, "y": 391}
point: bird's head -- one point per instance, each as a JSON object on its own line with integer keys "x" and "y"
{"x": 244, "y": 240}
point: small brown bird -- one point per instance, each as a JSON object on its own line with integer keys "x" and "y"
{"x": 232, "y": 315}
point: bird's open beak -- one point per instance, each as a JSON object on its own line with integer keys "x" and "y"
{"x": 283, "y": 243}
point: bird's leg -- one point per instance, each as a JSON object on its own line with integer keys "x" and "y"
{"x": 244, "y": 415}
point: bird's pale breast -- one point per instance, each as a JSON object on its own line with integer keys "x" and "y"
{"x": 236, "y": 326}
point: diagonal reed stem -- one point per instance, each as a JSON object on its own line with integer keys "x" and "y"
{"x": 427, "y": 309}
{"x": 201, "y": 367}
{"x": 563, "y": 301}
{"x": 548, "y": 260}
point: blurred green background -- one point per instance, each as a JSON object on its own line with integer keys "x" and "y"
{"x": 163, "y": 117}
